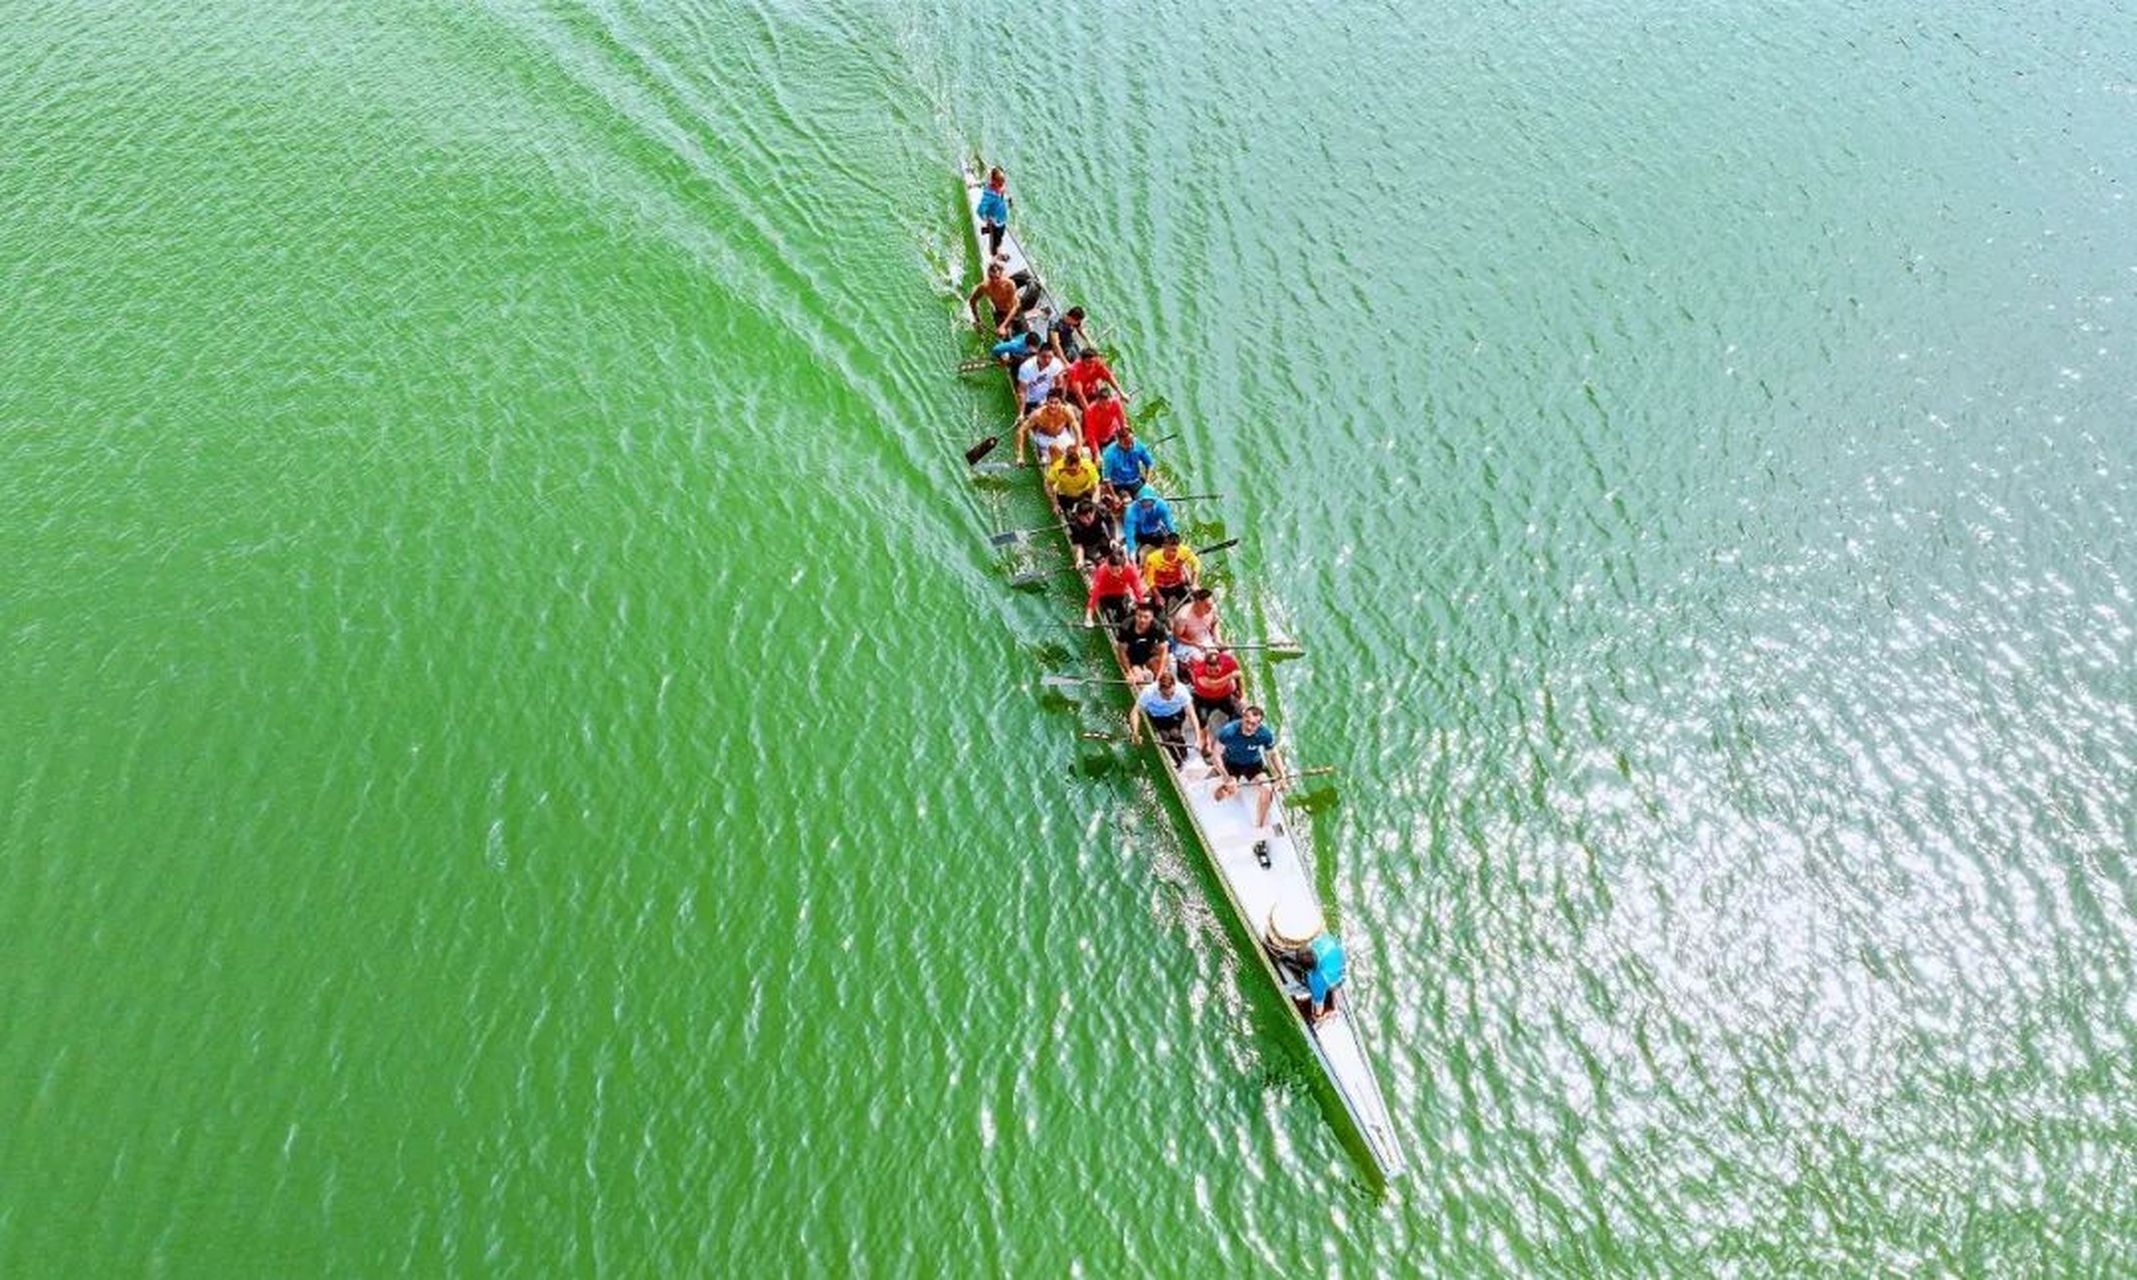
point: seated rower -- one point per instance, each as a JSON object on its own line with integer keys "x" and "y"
{"x": 1088, "y": 374}
{"x": 1001, "y": 291}
{"x": 1036, "y": 377}
{"x": 1009, "y": 351}
{"x": 1310, "y": 958}
{"x": 1171, "y": 570}
{"x": 1146, "y": 520}
{"x": 1126, "y": 463}
{"x": 1090, "y": 533}
{"x": 1195, "y": 628}
{"x": 1216, "y": 681}
{"x": 1052, "y": 426}
{"x": 1246, "y": 752}
{"x": 1072, "y": 479}
{"x": 1104, "y": 420}
{"x": 1164, "y": 703}
{"x": 1115, "y": 586}
{"x": 1144, "y": 644}
{"x": 1067, "y": 335}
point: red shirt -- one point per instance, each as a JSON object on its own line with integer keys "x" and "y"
{"x": 1101, "y": 422}
{"x": 1107, "y": 582}
{"x": 1085, "y": 375}
{"x": 1212, "y": 674}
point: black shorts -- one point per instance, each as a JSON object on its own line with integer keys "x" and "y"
{"x": 1245, "y": 772}
{"x": 1208, "y": 707}
{"x": 1114, "y": 608}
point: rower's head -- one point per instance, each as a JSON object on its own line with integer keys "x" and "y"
{"x": 1056, "y": 393}
{"x": 1251, "y": 718}
{"x": 1172, "y": 542}
{"x": 997, "y": 179}
{"x": 1073, "y": 456}
{"x": 1126, "y": 432}
{"x": 1085, "y": 512}
{"x": 1031, "y": 342}
{"x": 1116, "y": 555}
{"x": 1214, "y": 654}
{"x": 1144, "y": 614}
{"x": 1147, "y": 497}
{"x": 1202, "y": 597}
{"x": 994, "y": 269}
{"x": 1166, "y": 680}
{"x": 1074, "y": 316}
{"x": 1105, "y": 391}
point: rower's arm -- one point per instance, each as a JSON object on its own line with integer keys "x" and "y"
{"x": 1135, "y": 721}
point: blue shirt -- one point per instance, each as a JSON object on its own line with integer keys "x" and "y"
{"x": 993, "y": 207}
{"x": 1241, "y": 747}
{"x": 1139, "y": 524}
{"x": 1013, "y": 347}
{"x": 1328, "y": 968}
{"x": 1126, "y": 467}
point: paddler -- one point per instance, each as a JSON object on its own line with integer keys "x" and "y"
{"x": 1067, "y": 334}
{"x": 1171, "y": 570}
{"x": 1310, "y": 958}
{"x": 993, "y": 209}
{"x": 1146, "y": 520}
{"x": 1144, "y": 645}
{"x": 1000, "y": 290}
{"x": 1115, "y": 586}
{"x": 1216, "y": 680}
{"x": 1086, "y": 375}
{"x": 1195, "y": 627}
{"x": 1072, "y": 479}
{"x": 1126, "y": 463}
{"x": 1036, "y": 377}
{"x": 1104, "y": 420}
{"x": 1246, "y": 752}
{"x": 1052, "y": 426}
{"x": 1164, "y": 702}
{"x": 1090, "y": 533}
{"x": 1009, "y": 351}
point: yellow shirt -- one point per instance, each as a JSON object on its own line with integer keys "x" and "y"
{"x": 1170, "y": 569}
{"x": 1072, "y": 482}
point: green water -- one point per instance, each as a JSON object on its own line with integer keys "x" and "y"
{"x": 518, "y": 757}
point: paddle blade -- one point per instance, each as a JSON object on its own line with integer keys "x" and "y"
{"x": 998, "y": 468}
{"x": 1060, "y": 682}
{"x": 1215, "y": 547}
{"x": 1003, "y": 538}
{"x": 981, "y": 450}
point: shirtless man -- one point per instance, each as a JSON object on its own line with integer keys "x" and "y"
{"x": 1000, "y": 290}
{"x": 1053, "y": 425}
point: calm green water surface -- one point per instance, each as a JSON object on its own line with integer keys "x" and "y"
{"x": 518, "y": 759}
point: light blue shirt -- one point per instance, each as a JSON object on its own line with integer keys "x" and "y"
{"x": 1155, "y": 703}
{"x": 993, "y": 207}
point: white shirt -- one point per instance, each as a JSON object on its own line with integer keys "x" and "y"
{"x": 1037, "y": 379}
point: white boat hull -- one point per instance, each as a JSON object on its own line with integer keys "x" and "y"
{"x": 1225, "y": 830}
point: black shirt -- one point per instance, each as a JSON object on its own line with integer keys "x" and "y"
{"x": 1070, "y": 337}
{"x": 1142, "y": 645}
{"x": 1092, "y": 537}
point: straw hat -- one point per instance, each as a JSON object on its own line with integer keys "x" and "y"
{"x": 1294, "y": 924}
